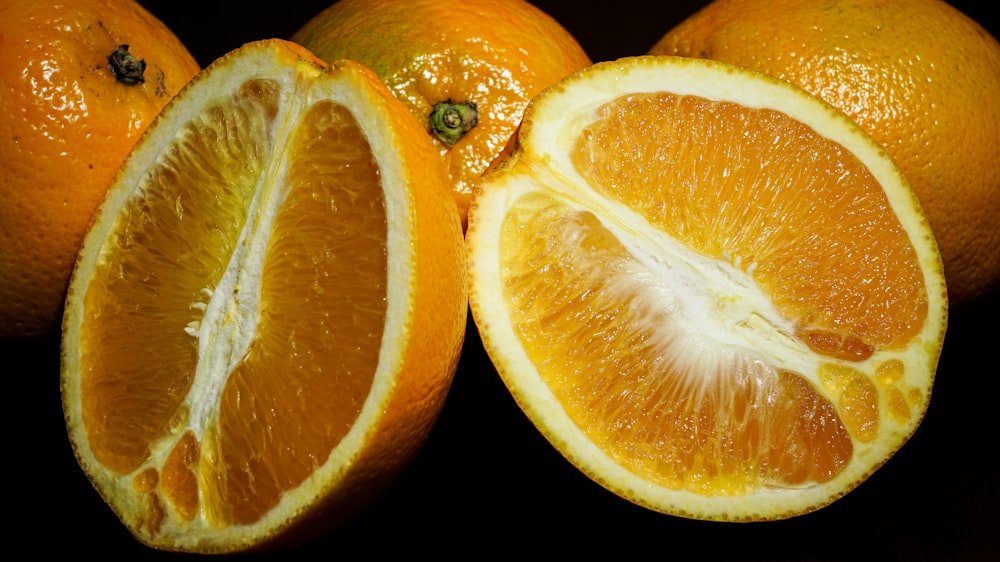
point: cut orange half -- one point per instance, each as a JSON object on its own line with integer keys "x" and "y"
{"x": 268, "y": 310}
{"x": 712, "y": 292}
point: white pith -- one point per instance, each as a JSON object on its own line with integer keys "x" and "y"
{"x": 229, "y": 324}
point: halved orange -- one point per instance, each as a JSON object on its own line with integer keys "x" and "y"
{"x": 268, "y": 310}
{"x": 712, "y": 292}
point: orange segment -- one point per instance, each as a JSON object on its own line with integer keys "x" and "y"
{"x": 708, "y": 289}
{"x": 780, "y": 173}
{"x": 180, "y": 476}
{"x": 251, "y": 338}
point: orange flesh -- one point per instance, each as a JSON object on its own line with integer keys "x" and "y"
{"x": 679, "y": 408}
{"x": 301, "y": 384}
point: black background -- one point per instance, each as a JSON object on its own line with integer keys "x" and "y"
{"x": 486, "y": 482}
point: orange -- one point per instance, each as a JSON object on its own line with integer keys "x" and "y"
{"x": 69, "y": 113}
{"x": 465, "y": 70}
{"x": 712, "y": 292}
{"x": 269, "y": 308}
{"x": 918, "y": 75}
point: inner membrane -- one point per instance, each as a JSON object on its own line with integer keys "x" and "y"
{"x": 299, "y": 384}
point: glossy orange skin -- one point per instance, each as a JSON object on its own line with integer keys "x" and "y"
{"x": 918, "y": 75}
{"x": 66, "y": 125}
{"x": 495, "y": 53}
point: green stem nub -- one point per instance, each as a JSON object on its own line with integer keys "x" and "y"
{"x": 126, "y": 69}
{"x": 450, "y": 121}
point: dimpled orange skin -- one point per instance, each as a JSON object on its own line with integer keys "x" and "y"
{"x": 496, "y": 53}
{"x": 921, "y": 77}
{"x": 66, "y": 125}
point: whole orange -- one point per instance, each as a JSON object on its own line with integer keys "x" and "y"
{"x": 79, "y": 82}
{"x": 477, "y": 63}
{"x": 921, "y": 77}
